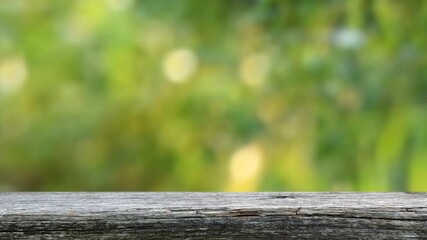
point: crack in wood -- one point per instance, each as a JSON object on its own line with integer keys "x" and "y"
{"x": 245, "y": 213}
{"x": 297, "y": 211}
{"x": 283, "y": 197}
{"x": 343, "y": 216}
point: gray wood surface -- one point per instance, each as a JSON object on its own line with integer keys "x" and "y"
{"x": 213, "y": 215}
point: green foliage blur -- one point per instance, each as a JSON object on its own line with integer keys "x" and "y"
{"x": 224, "y": 95}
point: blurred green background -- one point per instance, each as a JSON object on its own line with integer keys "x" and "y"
{"x": 221, "y": 95}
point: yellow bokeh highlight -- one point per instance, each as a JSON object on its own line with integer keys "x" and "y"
{"x": 179, "y": 65}
{"x": 119, "y": 5}
{"x": 13, "y": 74}
{"x": 254, "y": 69}
{"x": 245, "y": 168}
{"x": 86, "y": 17}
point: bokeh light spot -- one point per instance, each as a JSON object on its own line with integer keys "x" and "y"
{"x": 254, "y": 69}
{"x": 13, "y": 74}
{"x": 179, "y": 65}
{"x": 348, "y": 38}
{"x": 119, "y": 5}
{"x": 245, "y": 166}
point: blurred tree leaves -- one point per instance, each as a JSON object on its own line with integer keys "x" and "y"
{"x": 335, "y": 98}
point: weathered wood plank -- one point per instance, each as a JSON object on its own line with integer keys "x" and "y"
{"x": 213, "y": 215}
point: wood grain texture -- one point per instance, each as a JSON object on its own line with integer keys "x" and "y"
{"x": 213, "y": 215}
